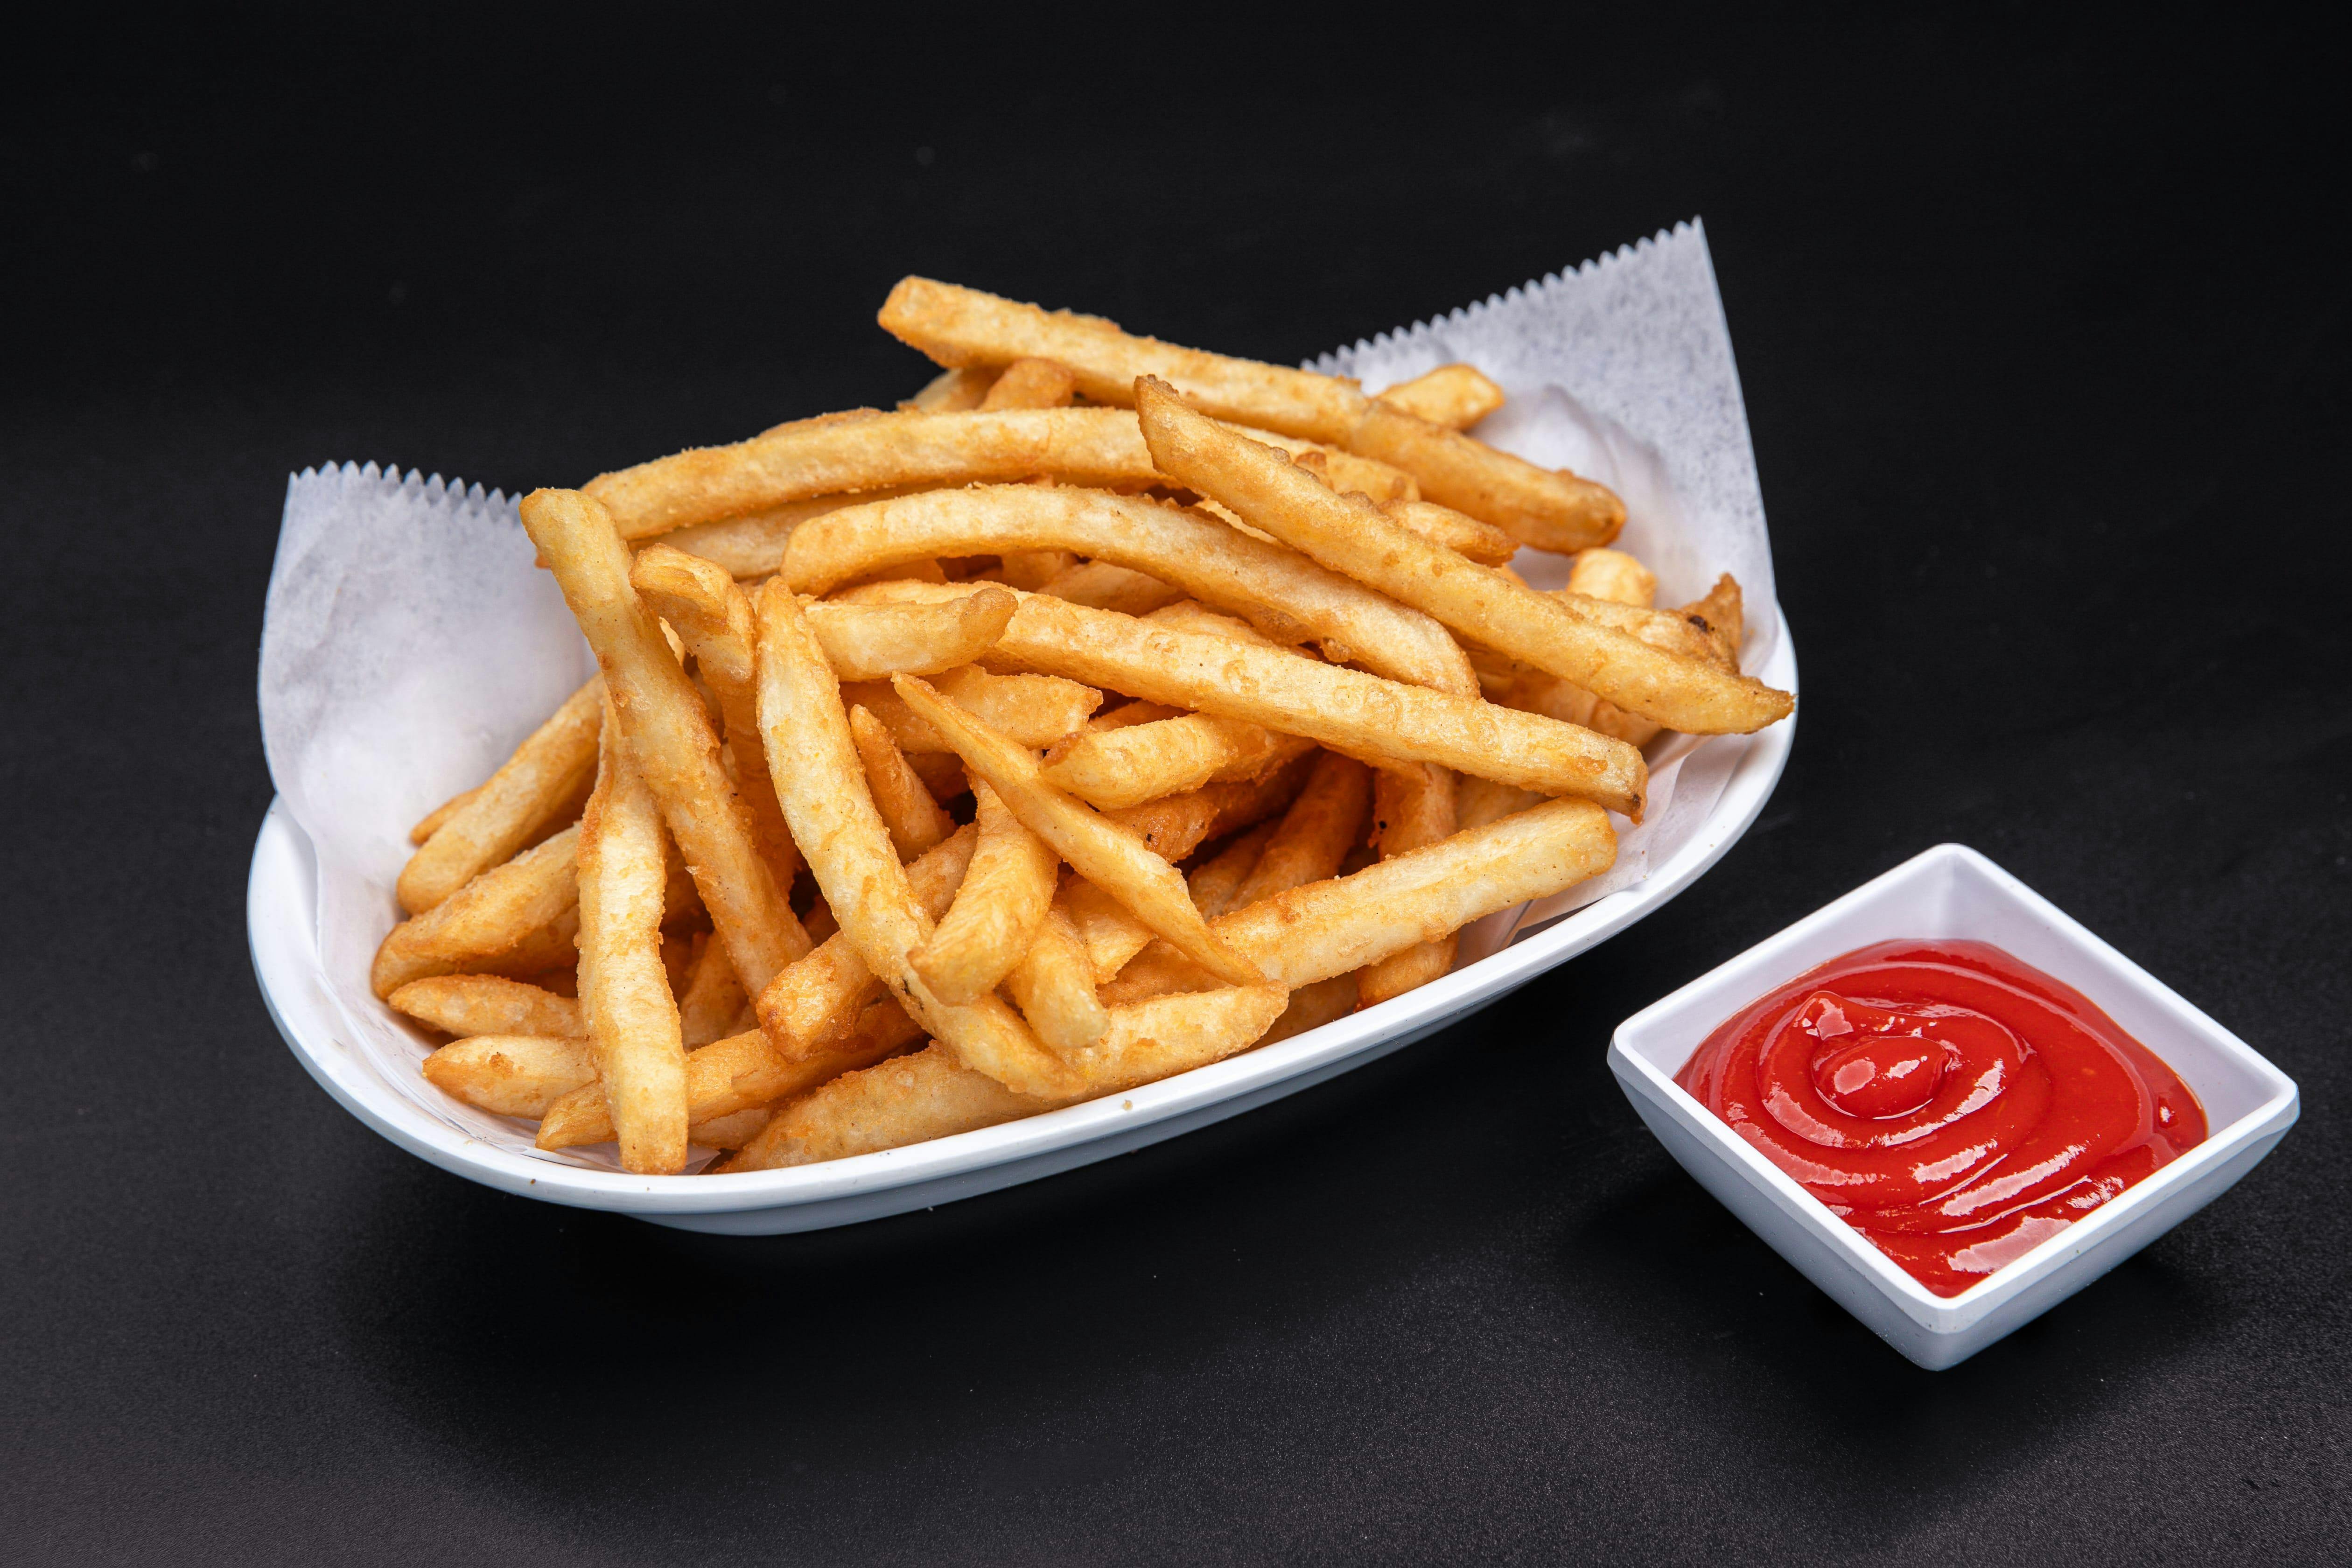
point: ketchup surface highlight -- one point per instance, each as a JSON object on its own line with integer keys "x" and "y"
{"x": 1954, "y": 1105}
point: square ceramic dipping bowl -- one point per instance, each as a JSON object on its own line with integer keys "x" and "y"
{"x": 1951, "y": 892}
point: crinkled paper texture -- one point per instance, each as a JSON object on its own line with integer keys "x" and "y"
{"x": 409, "y": 643}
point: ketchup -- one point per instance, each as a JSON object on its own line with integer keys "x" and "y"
{"x": 1954, "y": 1105}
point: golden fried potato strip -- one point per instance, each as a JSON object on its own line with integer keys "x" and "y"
{"x": 624, "y": 991}
{"x": 822, "y": 788}
{"x": 1410, "y": 811}
{"x": 1454, "y": 395}
{"x": 487, "y": 917}
{"x": 512, "y": 1075}
{"x": 1054, "y": 986}
{"x": 914, "y": 818}
{"x": 997, "y": 911}
{"x": 1106, "y": 855}
{"x": 1275, "y": 587}
{"x": 467, "y": 1005}
{"x": 669, "y": 733}
{"x": 1032, "y": 383}
{"x": 1495, "y": 609}
{"x": 960, "y": 326}
{"x": 713, "y": 617}
{"x": 874, "y": 642}
{"x": 548, "y": 774}
{"x": 826, "y": 456}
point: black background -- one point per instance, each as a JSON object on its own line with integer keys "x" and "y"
{"x": 2042, "y": 329}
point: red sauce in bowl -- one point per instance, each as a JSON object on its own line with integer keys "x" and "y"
{"x": 1954, "y": 1105}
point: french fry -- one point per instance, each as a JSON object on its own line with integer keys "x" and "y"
{"x": 1103, "y": 586}
{"x": 1214, "y": 882}
{"x": 1409, "y": 813}
{"x": 1606, "y": 573}
{"x": 1158, "y": 1038}
{"x": 1032, "y": 383}
{"x": 816, "y": 1002}
{"x": 1478, "y": 802}
{"x": 1345, "y": 709}
{"x": 711, "y": 1000}
{"x": 952, "y": 392}
{"x": 1552, "y": 511}
{"x": 483, "y": 919}
{"x": 1192, "y": 615}
{"x": 997, "y": 911}
{"x": 668, "y": 734}
{"x": 1140, "y": 763}
{"x": 500, "y": 816}
{"x": 547, "y": 957}
{"x": 1098, "y": 850}
{"x": 820, "y": 782}
{"x": 912, "y": 1098}
{"x": 470, "y": 1004}
{"x": 729, "y": 1131}
{"x": 713, "y": 619}
{"x": 914, "y": 819}
{"x": 1030, "y": 569}
{"x": 874, "y": 642}
{"x": 1463, "y": 535}
{"x": 1334, "y": 927}
{"x": 1340, "y": 469}
{"x": 1174, "y": 826}
{"x": 1486, "y": 606}
{"x": 1720, "y": 617}
{"x": 624, "y": 993}
{"x": 1034, "y": 710}
{"x": 1274, "y": 587}
{"x": 1454, "y": 395}
{"x": 740, "y": 1073}
{"x": 512, "y": 1075}
{"x": 753, "y": 544}
{"x": 1312, "y": 1006}
{"x": 1054, "y": 986}
{"x": 942, "y": 772}
{"x": 430, "y": 822}
{"x": 931, "y": 1094}
{"x": 1111, "y": 935}
{"x": 1322, "y": 824}
{"x": 824, "y": 457}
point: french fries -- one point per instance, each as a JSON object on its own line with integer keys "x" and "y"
{"x": 1343, "y": 709}
{"x": 668, "y": 734}
{"x": 1116, "y": 861}
{"x": 1552, "y": 511}
{"x": 513, "y": 1075}
{"x": 815, "y": 1002}
{"x": 997, "y": 911}
{"x": 547, "y": 771}
{"x": 1054, "y": 986}
{"x": 1245, "y": 612}
{"x": 1269, "y": 491}
{"x": 1034, "y": 710}
{"x": 624, "y": 993}
{"x": 823, "y": 458}
{"x": 1032, "y": 383}
{"x": 711, "y": 614}
{"x": 914, "y": 819}
{"x": 874, "y": 642}
{"x": 465, "y": 1005}
{"x": 486, "y": 918}
{"x": 1410, "y": 811}
{"x": 1454, "y": 395}
{"x": 822, "y": 788}
{"x": 1277, "y": 589}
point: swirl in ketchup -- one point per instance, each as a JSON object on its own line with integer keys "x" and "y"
{"x": 1954, "y": 1105}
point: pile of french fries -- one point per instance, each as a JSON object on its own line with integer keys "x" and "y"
{"x": 1109, "y": 708}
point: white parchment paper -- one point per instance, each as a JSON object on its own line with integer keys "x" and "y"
{"x": 409, "y": 643}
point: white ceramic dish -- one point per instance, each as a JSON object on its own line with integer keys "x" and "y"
{"x": 1953, "y": 892}
{"x": 281, "y": 915}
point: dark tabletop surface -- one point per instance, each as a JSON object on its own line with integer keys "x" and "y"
{"x": 2042, "y": 337}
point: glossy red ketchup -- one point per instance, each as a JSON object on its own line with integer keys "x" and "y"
{"x": 1954, "y": 1105}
